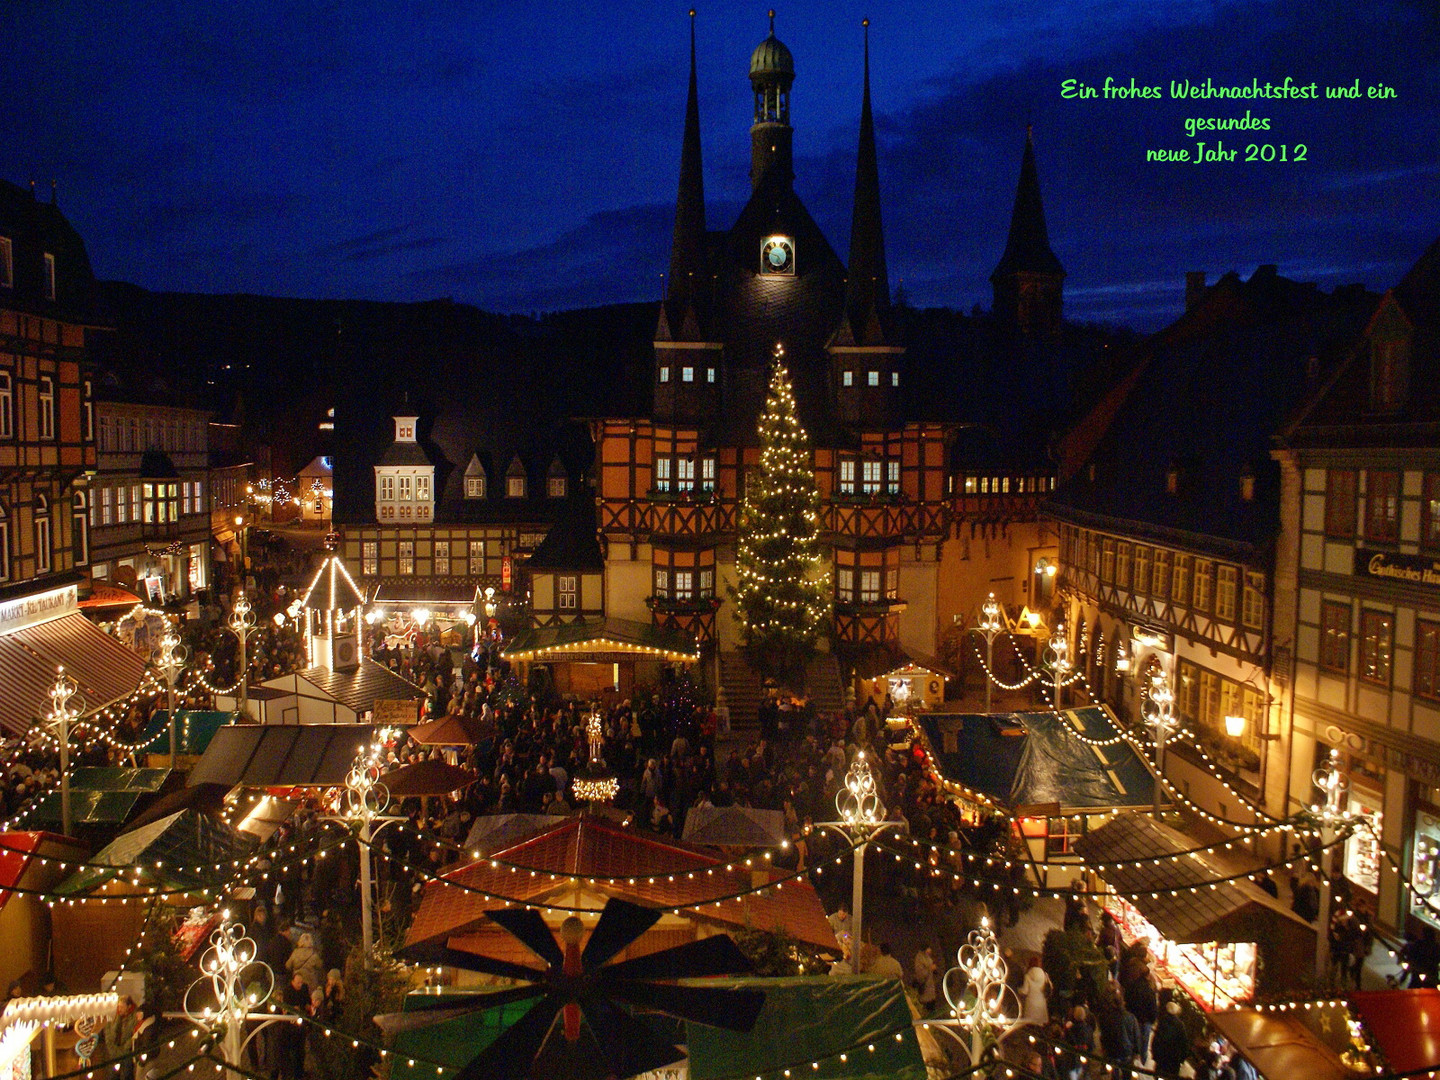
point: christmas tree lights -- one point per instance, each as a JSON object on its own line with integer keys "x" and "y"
{"x": 782, "y": 595}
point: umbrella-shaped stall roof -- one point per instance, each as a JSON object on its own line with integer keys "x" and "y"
{"x": 426, "y": 778}
{"x": 452, "y": 730}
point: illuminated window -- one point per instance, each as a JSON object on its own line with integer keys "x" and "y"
{"x": 894, "y": 378}
{"x": 515, "y": 487}
{"x": 892, "y": 476}
{"x": 477, "y": 558}
{"x": 80, "y": 532}
{"x": 684, "y": 585}
{"x": 847, "y": 476}
{"x": 707, "y": 584}
{"x": 665, "y": 374}
{"x": 1377, "y": 646}
{"x": 684, "y": 474}
{"x": 687, "y": 374}
{"x": 567, "y": 592}
{"x": 662, "y": 474}
{"x": 970, "y": 485}
{"x": 870, "y": 586}
{"x": 475, "y": 487}
{"x": 662, "y": 583}
{"x": 407, "y": 556}
{"x": 847, "y": 378}
{"x": 1253, "y": 613}
{"x": 422, "y": 488}
{"x": 1180, "y": 582}
{"x": 870, "y": 476}
{"x": 1203, "y": 581}
{"x": 1142, "y": 570}
{"x": 42, "y": 536}
{"x": 707, "y": 474}
{"x": 1107, "y": 561}
{"x": 107, "y": 506}
{"x": 892, "y": 583}
{"x": 1430, "y": 513}
{"x": 873, "y": 378}
{"x": 1122, "y": 565}
{"x": 87, "y": 412}
{"x": 555, "y": 487}
{"x": 1225, "y": 587}
{"x": 442, "y": 558}
{"x": 710, "y": 374}
{"x": 387, "y": 489}
{"x": 1427, "y": 659}
{"x": 369, "y": 557}
{"x": 405, "y": 487}
{"x": 845, "y": 583}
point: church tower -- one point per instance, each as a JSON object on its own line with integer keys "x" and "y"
{"x": 772, "y": 73}
{"x": 864, "y": 353}
{"x": 687, "y": 367}
{"x": 1029, "y": 278}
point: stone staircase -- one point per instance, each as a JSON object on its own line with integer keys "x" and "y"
{"x": 744, "y": 689}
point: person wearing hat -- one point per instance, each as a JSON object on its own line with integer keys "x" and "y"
{"x": 1171, "y": 1046}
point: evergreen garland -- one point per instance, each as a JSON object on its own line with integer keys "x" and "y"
{"x": 782, "y": 592}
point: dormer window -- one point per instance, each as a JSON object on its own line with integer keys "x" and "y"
{"x": 405, "y": 428}
{"x": 475, "y": 487}
{"x": 1388, "y": 358}
{"x": 555, "y": 487}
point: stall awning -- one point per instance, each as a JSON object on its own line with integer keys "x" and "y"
{"x": 453, "y": 730}
{"x": 602, "y": 640}
{"x": 734, "y": 826}
{"x": 100, "y": 796}
{"x": 1281, "y": 1046}
{"x": 1038, "y": 758}
{"x": 180, "y": 851}
{"x": 1405, "y": 1025}
{"x": 104, "y": 669}
{"x": 877, "y": 661}
{"x": 1224, "y": 912}
{"x": 192, "y": 735}
{"x": 291, "y": 755}
{"x": 358, "y": 689}
{"x": 409, "y": 593}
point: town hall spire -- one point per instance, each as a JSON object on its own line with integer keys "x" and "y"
{"x": 1028, "y": 279}
{"x": 867, "y": 289}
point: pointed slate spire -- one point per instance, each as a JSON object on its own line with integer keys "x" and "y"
{"x": 1027, "y": 250}
{"x": 687, "y": 249}
{"x": 868, "y": 288}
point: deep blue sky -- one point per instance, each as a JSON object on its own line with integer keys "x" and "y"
{"x": 523, "y": 156}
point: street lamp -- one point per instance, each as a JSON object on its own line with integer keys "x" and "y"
{"x": 173, "y": 655}
{"x": 244, "y": 549}
{"x": 62, "y": 714}
{"x": 366, "y": 800}
{"x": 1057, "y": 659}
{"x": 240, "y": 984}
{"x": 986, "y": 1005}
{"x": 989, "y": 627}
{"x": 1332, "y": 783}
{"x": 862, "y": 815}
{"x": 242, "y": 621}
{"x": 1159, "y": 712}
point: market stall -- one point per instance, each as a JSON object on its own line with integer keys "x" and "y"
{"x": 1312, "y": 1041}
{"x": 1222, "y": 941}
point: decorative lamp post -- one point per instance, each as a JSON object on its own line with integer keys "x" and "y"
{"x": 1057, "y": 659}
{"x": 1331, "y": 783}
{"x": 65, "y": 709}
{"x": 989, "y": 627}
{"x": 1159, "y": 713}
{"x": 173, "y": 655}
{"x": 862, "y": 815}
{"x": 239, "y": 984}
{"x": 983, "y": 1004}
{"x": 242, "y": 621}
{"x": 1122, "y": 659}
{"x": 365, "y": 801}
{"x": 470, "y": 621}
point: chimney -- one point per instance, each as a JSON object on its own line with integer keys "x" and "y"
{"x": 1194, "y": 288}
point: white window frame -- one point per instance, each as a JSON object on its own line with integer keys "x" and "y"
{"x": 474, "y": 487}
{"x": 406, "y": 556}
{"x": 870, "y": 586}
{"x": 422, "y": 489}
{"x": 892, "y": 476}
{"x": 684, "y": 585}
{"x": 845, "y": 583}
{"x": 662, "y": 582}
{"x": 871, "y": 474}
{"x": 847, "y": 476}
{"x": 369, "y": 557}
{"x": 847, "y": 378}
{"x": 387, "y": 489}
{"x": 80, "y": 537}
{"x": 894, "y": 378}
{"x": 475, "y": 555}
{"x": 707, "y": 583}
{"x": 442, "y": 558}
{"x": 567, "y": 592}
{"x": 709, "y": 374}
{"x": 707, "y": 474}
{"x": 107, "y": 506}
{"x": 662, "y": 474}
{"x": 685, "y": 474}
{"x": 42, "y": 541}
{"x": 404, "y": 488}
{"x": 872, "y": 378}
{"x": 515, "y": 487}
{"x": 665, "y": 373}
{"x": 687, "y": 374}
{"x": 47, "y": 407}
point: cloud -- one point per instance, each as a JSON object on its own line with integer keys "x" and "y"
{"x": 377, "y": 244}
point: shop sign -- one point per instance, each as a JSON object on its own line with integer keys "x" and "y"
{"x": 390, "y": 713}
{"x": 1391, "y": 565}
{"x": 507, "y": 574}
{"x": 41, "y": 607}
{"x": 1147, "y": 637}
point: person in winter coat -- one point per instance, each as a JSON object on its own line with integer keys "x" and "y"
{"x": 923, "y": 967}
{"x": 1034, "y": 995}
{"x": 1171, "y": 1046}
{"x": 305, "y": 962}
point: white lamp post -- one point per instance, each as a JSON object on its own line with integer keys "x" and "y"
{"x": 985, "y": 1006}
{"x": 1057, "y": 659}
{"x": 365, "y": 801}
{"x": 1159, "y": 713}
{"x": 1332, "y": 783}
{"x": 862, "y": 815}
{"x": 65, "y": 709}
{"x": 989, "y": 627}
{"x": 242, "y": 621}
{"x": 238, "y": 982}
{"x": 173, "y": 655}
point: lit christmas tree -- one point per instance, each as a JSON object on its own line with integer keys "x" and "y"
{"x": 782, "y": 594}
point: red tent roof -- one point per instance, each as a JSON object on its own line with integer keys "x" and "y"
{"x": 1405, "y": 1025}
{"x": 648, "y": 870}
{"x": 18, "y": 850}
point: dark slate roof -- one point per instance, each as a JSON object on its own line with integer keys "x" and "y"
{"x": 1208, "y": 393}
{"x": 572, "y": 542}
{"x": 35, "y": 228}
{"x": 1027, "y": 248}
{"x": 1339, "y": 413}
{"x": 361, "y": 687}
{"x": 281, "y": 755}
{"x": 404, "y": 453}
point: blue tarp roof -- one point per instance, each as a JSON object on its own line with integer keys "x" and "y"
{"x": 1026, "y": 759}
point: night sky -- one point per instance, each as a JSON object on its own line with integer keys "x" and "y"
{"x": 524, "y": 156}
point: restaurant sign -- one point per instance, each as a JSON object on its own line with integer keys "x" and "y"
{"x": 38, "y": 607}
{"x": 1411, "y": 569}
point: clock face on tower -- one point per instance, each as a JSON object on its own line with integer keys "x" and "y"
{"x": 777, "y": 255}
